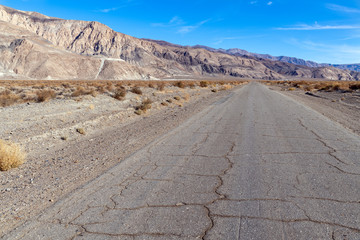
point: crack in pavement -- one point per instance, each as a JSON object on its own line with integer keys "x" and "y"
{"x": 341, "y": 170}
{"x": 230, "y": 166}
{"x": 288, "y": 221}
{"x": 318, "y": 138}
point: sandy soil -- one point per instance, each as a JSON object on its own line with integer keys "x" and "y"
{"x": 60, "y": 159}
{"x": 341, "y": 107}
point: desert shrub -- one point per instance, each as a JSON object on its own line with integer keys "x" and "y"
{"x": 8, "y": 98}
{"x": 143, "y": 107}
{"x": 192, "y": 85}
{"x": 204, "y": 84}
{"x": 177, "y": 98}
{"x": 146, "y": 104}
{"x": 136, "y": 90}
{"x": 109, "y": 86}
{"x": 82, "y": 91}
{"x": 120, "y": 93}
{"x": 161, "y": 86}
{"x": 327, "y": 88}
{"x": 45, "y": 95}
{"x": 336, "y": 87}
{"x": 355, "y": 86}
{"x": 179, "y": 84}
{"x": 309, "y": 88}
{"x": 78, "y": 92}
{"x": 11, "y": 155}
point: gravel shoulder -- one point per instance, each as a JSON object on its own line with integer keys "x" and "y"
{"x": 60, "y": 159}
{"x": 343, "y": 108}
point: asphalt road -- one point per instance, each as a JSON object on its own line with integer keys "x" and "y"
{"x": 255, "y": 165}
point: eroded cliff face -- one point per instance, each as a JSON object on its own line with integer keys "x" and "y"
{"x": 44, "y": 47}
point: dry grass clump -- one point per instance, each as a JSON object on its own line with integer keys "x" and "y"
{"x": 45, "y": 95}
{"x": 136, "y": 90}
{"x": 120, "y": 94}
{"x": 11, "y": 155}
{"x": 80, "y": 91}
{"x": 8, "y": 98}
{"x": 204, "y": 84}
{"x": 180, "y": 84}
{"x": 192, "y": 85}
{"x": 109, "y": 86}
{"x": 177, "y": 98}
{"x": 161, "y": 87}
{"x": 143, "y": 107}
{"x": 355, "y": 86}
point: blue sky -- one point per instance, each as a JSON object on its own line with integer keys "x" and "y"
{"x": 322, "y": 31}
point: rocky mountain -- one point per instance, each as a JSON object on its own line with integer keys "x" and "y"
{"x": 293, "y": 60}
{"x": 36, "y": 46}
{"x": 350, "y": 67}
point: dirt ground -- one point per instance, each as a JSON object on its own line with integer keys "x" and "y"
{"x": 340, "y": 106}
{"x": 70, "y": 141}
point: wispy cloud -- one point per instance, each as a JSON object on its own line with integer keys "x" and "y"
{"x": 190, "y": 28}
{"x": 256, "y": 2}
{"x": 340, "y": 8}
{"x": 122, "y": 4}
{"x": 173, "y": 22}
{"x": 306, "y": 27}
{"x": 108, "y": 10}
{"x": 179, "y": 25}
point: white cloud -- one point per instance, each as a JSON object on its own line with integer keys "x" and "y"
{"x": 316, "y": 26}
{"x": 108, "y": 10}
{"x": 269, "y": 3}
{"x": 179, "y": 25}
{"x": 340, "y": 8}
{"x": 173, "y": 22}
{"x": 190, "y": 28}
{"x": 253, "y": 2}
{"x": 123, "y": 4}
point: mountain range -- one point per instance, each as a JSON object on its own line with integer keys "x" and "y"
{"x": 35, "y": 46}
{"x": 293, "y": 60}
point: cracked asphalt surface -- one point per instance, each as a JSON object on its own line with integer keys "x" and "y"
{"x": 254, "y": 165}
